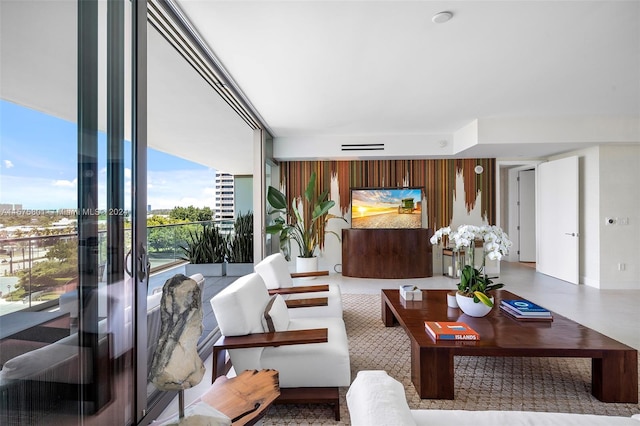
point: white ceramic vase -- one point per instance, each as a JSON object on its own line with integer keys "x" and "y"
{"x": 469, "y": 307}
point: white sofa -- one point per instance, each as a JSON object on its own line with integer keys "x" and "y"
{"x": 375, "y": 398}
{"x": 275, "y": 273}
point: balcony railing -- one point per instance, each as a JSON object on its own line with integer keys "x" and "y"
{"x": 35, "y": 271}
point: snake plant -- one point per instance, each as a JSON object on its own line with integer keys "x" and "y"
{"x": 240, "y": 242}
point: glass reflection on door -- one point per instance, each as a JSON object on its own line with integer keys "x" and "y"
{"x": 66, "y": 321}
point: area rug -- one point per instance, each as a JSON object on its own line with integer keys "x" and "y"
{"x": 487, "y": 383}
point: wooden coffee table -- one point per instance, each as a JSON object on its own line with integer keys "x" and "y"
{"x": 614, "y": 366}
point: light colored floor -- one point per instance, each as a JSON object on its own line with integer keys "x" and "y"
{"x": 611, "y": 312}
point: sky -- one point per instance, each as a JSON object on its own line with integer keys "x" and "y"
{"x": 38, "y": 166}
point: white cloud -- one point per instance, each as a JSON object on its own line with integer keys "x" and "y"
{"x": 8, "y": 164}
{"x": 169, "y": 189}
{"x": 66, "y": 183}
{"x": 37, "y": 193}
{"x": 166, "y": 190}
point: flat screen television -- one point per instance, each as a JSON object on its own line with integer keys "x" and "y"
{"x": 386, "y": 208}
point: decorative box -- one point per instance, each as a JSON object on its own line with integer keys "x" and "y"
{"x": 409, "y": 292}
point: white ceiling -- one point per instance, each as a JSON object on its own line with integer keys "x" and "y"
{"x": 532, "y": 78}
{"x": 186, "y": 118}
{"x": 382, "y": 69}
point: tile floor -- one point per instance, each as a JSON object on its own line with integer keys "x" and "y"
{"x": 614, "y": 313}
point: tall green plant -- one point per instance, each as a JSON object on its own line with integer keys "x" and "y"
{"x": 290, "y": 223}
{"x": 205, "y": 246}
{"x": 240, "y": 242}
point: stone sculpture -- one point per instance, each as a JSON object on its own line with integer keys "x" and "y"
{"x": 176, "y": 364}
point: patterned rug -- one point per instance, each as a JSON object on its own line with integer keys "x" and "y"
{"x": 482, "y": 383}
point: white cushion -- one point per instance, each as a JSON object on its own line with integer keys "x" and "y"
{"x": 375, "y": 398}
{"x": 198, "y": 278}
{"x": 515, "y": 418}
{"x": 59, "y": 361}
{"x": 314, "y": 364}
{"x": 276, "y": 315}
{"x": 239, "y": 307}
{"x": 153, "y": 301}
{"x": 274, "y": 271}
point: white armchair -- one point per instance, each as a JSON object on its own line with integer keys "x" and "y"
{"x": 306, "y": 301}
{"x": 258, "y": 333}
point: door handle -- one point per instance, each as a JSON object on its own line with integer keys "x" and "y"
{"x": 573, "y": 234}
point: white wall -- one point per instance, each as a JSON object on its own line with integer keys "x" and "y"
{"x": 620, "y": 199}
{"x": 609, "y": 181}
{"x": 609, "y": 186}
{"x": 589, "y": 239}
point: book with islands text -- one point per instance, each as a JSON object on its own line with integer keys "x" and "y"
{"x": 447, "y": 330}
{"x": 525, "y": 308}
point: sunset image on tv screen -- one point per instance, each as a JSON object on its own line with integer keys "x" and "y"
{"x": 386, "y": 208}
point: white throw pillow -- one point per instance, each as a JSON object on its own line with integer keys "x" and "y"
{"x": 375, "y": 398}
{"x": 276, "y": 315}
{"x": 274, "y": 270}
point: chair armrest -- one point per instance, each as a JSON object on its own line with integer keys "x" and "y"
{"x": 258, "y": 340}
{"x": 300, "y": 289}
{"x": 307, "y": 302}
{"x": 309, "y": 274}
{"x": 277, "y": 338}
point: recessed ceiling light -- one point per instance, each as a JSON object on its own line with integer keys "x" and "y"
{"x": 442, "y": 17}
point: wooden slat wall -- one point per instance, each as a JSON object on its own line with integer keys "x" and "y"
{"x": 437, "y": 177}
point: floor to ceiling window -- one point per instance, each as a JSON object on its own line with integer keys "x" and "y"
{"x": 76, "y": 310}
{"x": 67, "y": 352}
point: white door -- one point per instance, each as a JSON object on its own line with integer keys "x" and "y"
{"x": 527, "y": 215}
{"x": 557, "y": 219}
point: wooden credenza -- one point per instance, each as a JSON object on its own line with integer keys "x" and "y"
{"x": 387, "y": 253}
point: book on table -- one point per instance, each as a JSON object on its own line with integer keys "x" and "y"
{"x": 515, "y": 315}
{"x": 450, "y": 330}
{"x": 525, "y": 308}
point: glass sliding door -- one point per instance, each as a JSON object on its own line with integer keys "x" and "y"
{"x": 68, "y": 351}
{"x": 271, "y": 178}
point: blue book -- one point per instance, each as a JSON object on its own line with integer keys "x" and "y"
{"x": 524, "y": 307}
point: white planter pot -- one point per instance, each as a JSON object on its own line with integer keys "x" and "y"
{"x": 239, "y": 269}
{"x": 469, "y": 307}
{"x": 307, "y": 264}
{"x": 206, "y": 269}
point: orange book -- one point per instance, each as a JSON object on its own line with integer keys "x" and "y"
{"x": 443, "y": 330}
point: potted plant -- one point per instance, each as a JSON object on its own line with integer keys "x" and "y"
{"x": 306, "y": 230}
{"x": 206, "y": 251}
{"x": 475, "y": 286}
{"x": 240, "y": 246}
